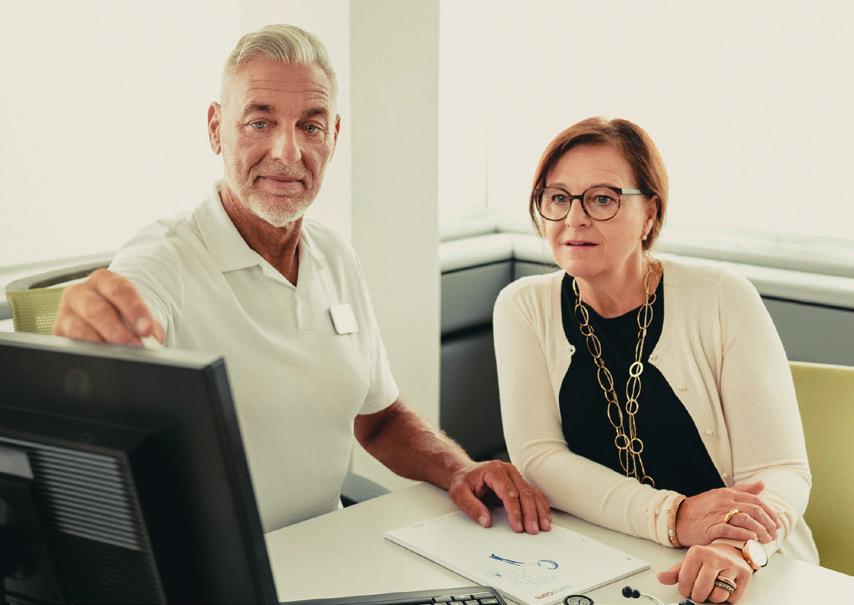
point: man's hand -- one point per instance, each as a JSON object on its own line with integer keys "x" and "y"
{"x": 405, "y": 443}
{"x": 697, "y": 572}
{"x": 106, "y": 308}
{"x": 700, "y": 519}
{"x": 527, "y": 508}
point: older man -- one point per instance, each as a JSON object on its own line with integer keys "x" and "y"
{"x": 284, "y": 300}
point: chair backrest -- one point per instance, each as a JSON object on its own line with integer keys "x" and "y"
{"x": 826, "y": 401}
{"x": 34, "y": 300}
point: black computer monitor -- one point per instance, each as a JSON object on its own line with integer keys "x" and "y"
{"x": 123, "y": 478}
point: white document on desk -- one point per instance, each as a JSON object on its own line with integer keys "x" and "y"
{"x": 538, "y": 569}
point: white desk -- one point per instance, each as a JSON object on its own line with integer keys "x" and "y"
{"x": 344, "y": 553}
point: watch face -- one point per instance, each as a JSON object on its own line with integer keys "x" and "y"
{"x": 756, "y": 553}
{"x": 578, "y": 599}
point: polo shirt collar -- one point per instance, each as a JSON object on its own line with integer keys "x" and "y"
{"x": 230, "y": 250}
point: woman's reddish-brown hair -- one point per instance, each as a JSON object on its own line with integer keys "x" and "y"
{"x": 633, "y": 143}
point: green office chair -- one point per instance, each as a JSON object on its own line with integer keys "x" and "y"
{"x": 826, "y": 400}
{"x": 34, "y": 300}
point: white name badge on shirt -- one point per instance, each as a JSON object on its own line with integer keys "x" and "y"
{"x": 343, "y": 319}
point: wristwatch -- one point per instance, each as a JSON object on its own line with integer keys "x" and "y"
{"x": 752, "y": 551}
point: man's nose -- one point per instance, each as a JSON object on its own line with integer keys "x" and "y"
{"x": 286, "y": 147}
{"x": 576, "y": 216}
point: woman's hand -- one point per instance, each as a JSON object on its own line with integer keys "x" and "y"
{"x": 702, "y": 567}
{"x": 702, "y": 518}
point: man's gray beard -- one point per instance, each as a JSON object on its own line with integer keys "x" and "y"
{"x": 277, "y": 217}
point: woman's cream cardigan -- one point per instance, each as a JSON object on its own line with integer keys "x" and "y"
{"x": 721, "y": 355}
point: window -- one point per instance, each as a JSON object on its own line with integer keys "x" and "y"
{"x": 102, "y": 115}
{"x": 748, "y": 102}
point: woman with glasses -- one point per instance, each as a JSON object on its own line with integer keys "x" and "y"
{"x": 644, "y": 394}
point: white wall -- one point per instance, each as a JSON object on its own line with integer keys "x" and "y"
{"x": 103, "y": 109}
{"x": 749, "y": 102}
{"x": 463, "y": 120}
{"x": 395, "y": 62}
{"x": 102, "y": 119}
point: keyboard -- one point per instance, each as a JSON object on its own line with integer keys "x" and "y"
{"x": 469, "y": 595}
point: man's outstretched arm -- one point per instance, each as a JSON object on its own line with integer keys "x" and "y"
{"x": 106, "y": 308}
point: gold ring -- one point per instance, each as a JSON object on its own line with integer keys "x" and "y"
{"x": 729, "y": 515}
{"x": 729, "y": 583}
{"x": 727, "y": 587}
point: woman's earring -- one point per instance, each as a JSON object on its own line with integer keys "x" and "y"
{"x": 644, "y": 238}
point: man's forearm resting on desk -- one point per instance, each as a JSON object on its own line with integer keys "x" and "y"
{"x": 409, "y": 446}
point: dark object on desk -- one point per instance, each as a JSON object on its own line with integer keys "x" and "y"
{"x": 469, "y": 595}
{"x": 358, "y": 489}
{"x": 578, "y": 599}
{"x": 123, "y": 478}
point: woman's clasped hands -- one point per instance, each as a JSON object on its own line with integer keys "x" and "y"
{"x": 717, "y": 572}
{"x": 736, "y": 512}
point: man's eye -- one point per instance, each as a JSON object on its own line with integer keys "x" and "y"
{"x": 312, "y": 129}
{"x": 258, "y": 125}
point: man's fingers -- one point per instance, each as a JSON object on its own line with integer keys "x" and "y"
{"x": 159, "y": 332}
{"x": 530, "y": 516}
{"x": 531, "y": 510}
{"x": 467, "y": 502}
{"x": 99, "y": 314}
{"x": 544, "y": 511}
{"x": 110, "y": 307}
{"x": 122, "y": 294}
{"x": 500, "y": 483}
{"x": 71, "y": 326}
{"x": 527, "y": 508}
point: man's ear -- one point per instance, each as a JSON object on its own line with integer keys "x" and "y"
{"x": 214, "y": 121}
{"x": 335, "y": 134}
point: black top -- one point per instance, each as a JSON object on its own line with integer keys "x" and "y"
{"x": 674, "y": 454}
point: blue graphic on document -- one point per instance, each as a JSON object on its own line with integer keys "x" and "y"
{"x": 521, "y": 572}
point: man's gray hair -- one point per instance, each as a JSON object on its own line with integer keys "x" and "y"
{"x": 285, "y": 43}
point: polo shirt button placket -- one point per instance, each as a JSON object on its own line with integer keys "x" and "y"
{"x": 304, "y": 314}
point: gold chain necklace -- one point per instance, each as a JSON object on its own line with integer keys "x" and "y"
{"x": 629, "y": 445}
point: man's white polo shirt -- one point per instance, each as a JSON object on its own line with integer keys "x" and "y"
{"x": 297, "y": 383}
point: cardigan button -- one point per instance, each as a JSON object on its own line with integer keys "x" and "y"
{"x": 682, "y": 387}
{"x": 709, "y": 432}
{"x": 725, "y": 475}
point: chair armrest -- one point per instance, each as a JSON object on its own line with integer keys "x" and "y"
{"x": 58, "y": 276}
{"x": 358, "y": 489}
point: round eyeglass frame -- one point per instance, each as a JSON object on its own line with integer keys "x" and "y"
{"x": 536, "y": 196}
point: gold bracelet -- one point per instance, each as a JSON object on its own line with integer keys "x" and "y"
{"x": 671, "y": 522}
